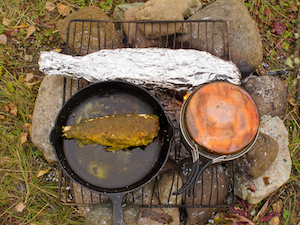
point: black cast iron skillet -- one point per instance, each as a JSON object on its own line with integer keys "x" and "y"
{"x": 113, "y": 174}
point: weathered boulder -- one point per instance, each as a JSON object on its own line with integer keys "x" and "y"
{"x": 269, "y": 93}
{"x": 47, "y": 105}
{"x": 162, "y": 10}
{"x": 212, "y": 189}
{"x": 193, "y": 7}
{"x": 144, "y": 196}
{"x": 89, "y": 37}
{"x": 169, "y": 182}
{"x": 162, "y": 195}
{"x": 255, "y": 190}
{"x": 102, "y": 213}
{"x": 120, "y": 9}
{"x": 258, "y": 159}
{"x": 135, "y": 36}
{"x": 245, "y": 39}
{"x": 158, "y": 216}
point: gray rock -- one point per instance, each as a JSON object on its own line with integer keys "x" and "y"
{"x": 162, "y": 10}
{"x": 131, "y": 213}
{"x": 269, "y": 93}
{"x": 144, "y": 195}
{"x": 120, "y": 9}
{"x": 215, "y": 190}
{"x": 47, "y": 105}
{"x": 134, "y": 35}
{"x": 193, "y": 7}
{"x": 85, "y": 198}
{"x": 169, "y": 182}
{"x": 91, "y": 38}
{"x": 45, "y": 112}
{"x": 102, "y": 213}
{"x": 246, "y": 45}
{"x": 278, "y": 173}
{"x": 258, "y": 159}
{"x": 158, "y": 216}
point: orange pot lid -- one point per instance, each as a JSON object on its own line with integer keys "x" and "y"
{"x": 222, "y": 117}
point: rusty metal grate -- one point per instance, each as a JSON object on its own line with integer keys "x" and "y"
{"x": 87, "y": 36}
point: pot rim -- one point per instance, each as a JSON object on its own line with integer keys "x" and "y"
{"x": 203, "y": 151}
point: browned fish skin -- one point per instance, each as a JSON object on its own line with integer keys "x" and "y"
{"x": 117, "y": 131}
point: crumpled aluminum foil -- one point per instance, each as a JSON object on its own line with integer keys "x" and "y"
{"x": 178, "y": 70}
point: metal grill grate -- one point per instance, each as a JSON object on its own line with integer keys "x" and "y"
{"x": 87, "y": 36}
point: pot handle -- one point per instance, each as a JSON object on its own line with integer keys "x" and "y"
{"x": 118, "y": 215}
{"x": 211, "y": 162}
{"x": 191, "y": 178}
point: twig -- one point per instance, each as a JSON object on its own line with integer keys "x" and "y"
{"x": 7, "y": 210}
{"x": 35, "y": 186}
{"x": 293, "y": 110}
{"x": 21, "y": 16}
{"x": 37, "y": 213}
{"x": 280, "y": 43}
{"x": 295, "y": 120}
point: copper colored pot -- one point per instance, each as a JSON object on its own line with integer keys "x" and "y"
{"x": 219, "y": 121}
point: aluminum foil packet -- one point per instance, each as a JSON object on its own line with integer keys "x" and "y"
{"x": 179, "y": 70}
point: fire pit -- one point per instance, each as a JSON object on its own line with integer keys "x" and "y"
{"x": 72, "y": 194}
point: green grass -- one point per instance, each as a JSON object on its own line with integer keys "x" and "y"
{"x": 20, "y": 163}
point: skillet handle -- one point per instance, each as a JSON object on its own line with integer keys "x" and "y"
{"x": 118, "y": 215}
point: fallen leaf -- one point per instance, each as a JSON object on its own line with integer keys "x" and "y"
{"x": 20, "y": 207}
{"x": 5, "y": 21}
{"x": 23, "y": 137}
{"x": 280, "y": 28}
{"x": 3, "y": 39}
{"x": 239, "y": 219}
{"x": 50, "y": 26}
{"x": 42, "y": 172}
{"x": 274, "y": 221}
{"x": 29, "y": 78}
{"x": 57, "y": 50}
{"x": 261, "y": 211}
{"x": 244, "y": 203}
{"x": 30, "y": 30}
{"x": 27, "y": 125}
{"x": 269, "y": 216}
{"x": 293, "y": 101}
{"x": 14, "y": 32}
{"x": 5, "y": 109}
{"x": 33, "y": 83}
{"x": 277, "y": 206}
{"x": 289, "y": 62}
{"x": 50, "y": 6}
{"x": 236, "y": 210}
{"x": 7, "y": 32}
{"x": 1, "y": 117}
{"x": 63, "y": 9}
{"x": 12, "y": 109}
{"x": 28, "y": 58}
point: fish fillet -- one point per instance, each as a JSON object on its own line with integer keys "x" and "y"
{"x": 116, "y": 131}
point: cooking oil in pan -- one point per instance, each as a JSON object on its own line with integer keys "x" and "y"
{"x": 110, "y": 169}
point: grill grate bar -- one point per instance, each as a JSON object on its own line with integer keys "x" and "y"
{"x": 81, "y": 35}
